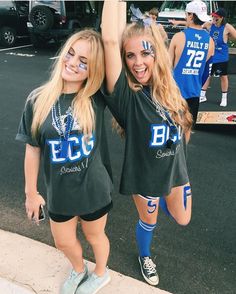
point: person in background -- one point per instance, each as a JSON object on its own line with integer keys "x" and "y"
{"x": 220, "y": 31}
{"x": 153, "y": 13}
{"x": 144, "y": 99}
{"x": 63, "y": 122}
{"x": 189, "y": 51}
{"x": 148, "y": 17}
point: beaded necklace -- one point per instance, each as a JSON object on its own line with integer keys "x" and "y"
{"x": 63, "y": 132}
{"x": 146, "y": 90}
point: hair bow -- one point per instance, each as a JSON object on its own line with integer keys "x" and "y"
{"x": 137, "y": 16}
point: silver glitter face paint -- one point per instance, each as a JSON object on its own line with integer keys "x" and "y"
{"x": 148, "y": 46}
{"x": 82, "y": 66}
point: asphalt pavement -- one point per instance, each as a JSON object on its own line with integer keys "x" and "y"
{"x": 199, "y": 258}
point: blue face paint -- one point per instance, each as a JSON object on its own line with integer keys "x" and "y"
{"x": 82, "y": 66}
{"x": 186, "y": 193}
{"x": 148, "y": 46}
{"x": 152, "y": 206}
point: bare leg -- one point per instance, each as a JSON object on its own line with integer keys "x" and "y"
{"x": 148, "y": 214}
{"x": 65, "y": 239}
{"x": 94, "y": 232}
{"x": 207, "y": 83}
{"x": 224, "y": 83}
{"x": 176, "y": 207}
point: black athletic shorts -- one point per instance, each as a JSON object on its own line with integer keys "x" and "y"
{"x": 219, "y": 69}
{"x": 59, "y": 218}
{"x": 193, "y": 104}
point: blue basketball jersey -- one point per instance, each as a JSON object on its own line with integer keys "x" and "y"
{"x": 221, "y": 48}
{"x": 189, "y": 70}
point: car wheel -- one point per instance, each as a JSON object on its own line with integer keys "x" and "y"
{"x": 41, "y": 17}
{"x": 7, "y": 36}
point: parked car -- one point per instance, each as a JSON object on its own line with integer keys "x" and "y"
{"x": 176, "y": 10}
{"x": 13, "y": 21}
{"x": 56, "y": 20}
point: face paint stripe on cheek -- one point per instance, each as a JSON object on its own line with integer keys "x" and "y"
{"x": 148, "y": 46}
{"x": 82, "y": 66}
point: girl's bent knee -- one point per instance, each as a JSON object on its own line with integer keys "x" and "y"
{"x": 183, "y": 221}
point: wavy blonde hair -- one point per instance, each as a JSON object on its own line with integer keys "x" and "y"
{"x": 47, "y": 94}
{"x": 164, "y": 88}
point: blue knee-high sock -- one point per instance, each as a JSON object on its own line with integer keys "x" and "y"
{"x": 144, "y": 233}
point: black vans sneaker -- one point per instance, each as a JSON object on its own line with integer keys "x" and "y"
{"x": 148, "y": 269}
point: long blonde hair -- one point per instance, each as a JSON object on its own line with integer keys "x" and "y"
{"x": 47, "y": 94}
{"x": 164, "y": 88}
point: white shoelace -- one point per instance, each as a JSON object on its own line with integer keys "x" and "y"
{"x": 149, "y": 265}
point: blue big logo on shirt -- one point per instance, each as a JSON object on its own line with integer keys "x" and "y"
{"x": 79, "y": 147}
{"x": 161, "y": 133}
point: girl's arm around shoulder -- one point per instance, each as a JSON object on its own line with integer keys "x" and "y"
{"x": 110, "y": 36}
{"x": 207, "y": 25}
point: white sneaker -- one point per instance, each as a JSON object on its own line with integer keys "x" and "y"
{"x": 74, "y": 280}
{"x": 223, "y": 102}
{"x": 94, "y": 283}
{"x": 202, "y": 99}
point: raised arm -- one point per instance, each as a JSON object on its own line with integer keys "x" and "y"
{"x": 122, "y": 7}
{"x": 207, "y": 25}
{"x": 111, "y": 33}
{"x": 177, "y": 22}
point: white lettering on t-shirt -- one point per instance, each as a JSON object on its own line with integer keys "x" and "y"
{"x": 160, "y": 133}
{"x": 79, "y": 147}
{"x": 74, "y": 169}
{"x": 166, "y": 153}
{"x": 197, "y": 45}
{"x": 190, "y": 71}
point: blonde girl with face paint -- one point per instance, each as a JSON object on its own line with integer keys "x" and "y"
{"x": 144, "y": 99}
{"x": 63, "y": 123}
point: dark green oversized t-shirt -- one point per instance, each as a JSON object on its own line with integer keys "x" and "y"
{"x": 149, "y": 167}
{"x": 82, "y": 182}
